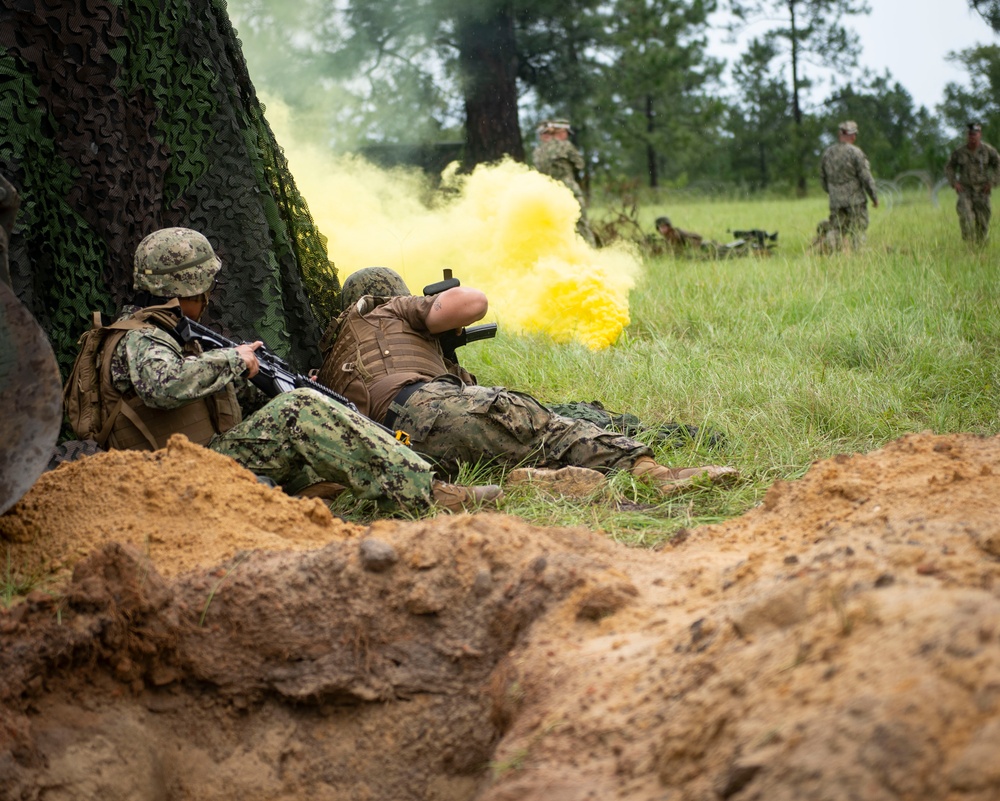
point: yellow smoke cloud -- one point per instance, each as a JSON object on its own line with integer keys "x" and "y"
{"x": 505, "y": 229}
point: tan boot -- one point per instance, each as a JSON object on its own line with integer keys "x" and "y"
{"x": 669, "y": 480}
{"x": 456, "y": 498}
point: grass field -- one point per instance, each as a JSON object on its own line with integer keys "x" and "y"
{"x": 793, "y": 357}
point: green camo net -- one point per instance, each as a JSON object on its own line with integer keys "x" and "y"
{"x": 118, "y": 118}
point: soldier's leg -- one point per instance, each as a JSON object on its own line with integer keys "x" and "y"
{"x": 840, "y": 221}
{"x": 451, "y": 425}
{"x": 854, "y": 223}
{"x": 982, "y": 211}
{"x": 300, "y": 437}
{"x": 860, "y": 223}
{"x": 966, "y": 217}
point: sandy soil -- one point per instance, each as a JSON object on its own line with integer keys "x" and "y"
{"x": 221, "y": 640}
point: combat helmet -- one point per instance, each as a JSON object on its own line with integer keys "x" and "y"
{"x": 175, "y": 263}
{"x": 378, "y": 281}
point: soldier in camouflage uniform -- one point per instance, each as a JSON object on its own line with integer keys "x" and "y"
{"x": 384, "y": 353}
{"x": 297, "y": 439}
{"x": 556, "y": 156}
{"x": 678, "y": 240}
{"x": 847, "y": 178}
{"x": 973, "y": 170}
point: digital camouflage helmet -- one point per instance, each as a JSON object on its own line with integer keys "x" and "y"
{"x": 175, "y": 263}
{"x": 378, "y": 281}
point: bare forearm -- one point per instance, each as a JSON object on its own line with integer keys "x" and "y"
{"x": 456, "y": 308}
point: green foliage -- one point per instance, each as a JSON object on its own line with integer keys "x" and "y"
{"x": 632, "y": 75}
{"x": 655, "y": 91}
{"x": 809, "y": 31}
{"x": 894, "y": 135}
{"x": 760, "y": 119}
{"x": 989, "y": 10}
{"x": 980, "y": 99}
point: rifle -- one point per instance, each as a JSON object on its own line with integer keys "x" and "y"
{"x": 275, "y": 375}
{"x": 474, "y": 333}
{"x": 759, "y": 236}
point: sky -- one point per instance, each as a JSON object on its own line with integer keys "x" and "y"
{"x": 910, "y": 38}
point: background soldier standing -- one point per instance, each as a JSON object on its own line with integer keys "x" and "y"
{"x": 847, "y": 179}
{"x": 973, "y": 170}
{"x": 558, "y": 158}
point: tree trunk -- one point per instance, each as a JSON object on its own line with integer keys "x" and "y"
{"x": 488, "y": 58}
{"x": 762, "y": 162}
{"x": 654, "y": 178}
{"x": 796, "y": 107}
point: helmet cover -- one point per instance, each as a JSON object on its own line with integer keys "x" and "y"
{"x": 175, "y": 263}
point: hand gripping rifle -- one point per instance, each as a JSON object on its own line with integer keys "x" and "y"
{"x": 451, "y": 340}
{"x": 275, "y": 375}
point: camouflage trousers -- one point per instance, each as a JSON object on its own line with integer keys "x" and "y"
{"x": 300, "y": 438}
{"x": 974, "y": 211}
{"x": 452, "y": 423}
{"x": 850, "y": 223}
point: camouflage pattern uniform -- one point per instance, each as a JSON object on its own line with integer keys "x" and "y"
{"x": 296, "y": 439}
{"x": 559, "y": 159}
{"x": 450, "y": 420}
{"x": 847, "y": 178}
{"x": 978, "y": 171}
{"x": 678, "y": 241}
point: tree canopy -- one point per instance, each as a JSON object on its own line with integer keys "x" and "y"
{"x": 647, "y": 100}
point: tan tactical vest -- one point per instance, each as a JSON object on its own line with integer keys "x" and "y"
{"x": 369, "y": 355}
{"x": 132, "y": 425}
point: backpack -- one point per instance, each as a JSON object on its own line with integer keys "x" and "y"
{"x": 83, "y": 401}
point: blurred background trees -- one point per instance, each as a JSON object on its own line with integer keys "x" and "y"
{"x": 469, "y": 79}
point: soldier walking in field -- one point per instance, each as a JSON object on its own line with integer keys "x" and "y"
{"x": 847, "y": 179}
{"x": 973, "y": 170}
{"x": 558, "y": 158}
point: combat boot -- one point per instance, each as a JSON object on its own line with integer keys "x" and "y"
{"x": 668, "y": 480}
{"x": 456, "y": 498}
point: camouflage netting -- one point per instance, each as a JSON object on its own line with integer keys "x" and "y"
{"x": 118, "y": 117}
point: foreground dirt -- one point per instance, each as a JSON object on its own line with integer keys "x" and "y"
{"x": 222, "y": 640}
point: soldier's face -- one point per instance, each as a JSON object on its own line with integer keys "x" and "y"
{"x": 975, "y": 137}
{"x": 561, "y": 134}
{"x": 195, "y": 306}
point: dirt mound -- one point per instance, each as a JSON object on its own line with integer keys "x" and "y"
{"x": 183, "y": 506}
{"x": 840, "y": 641}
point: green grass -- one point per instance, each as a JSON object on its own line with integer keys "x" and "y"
{"x": 14, "y": 586}
{"x": 794, "y": 357}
